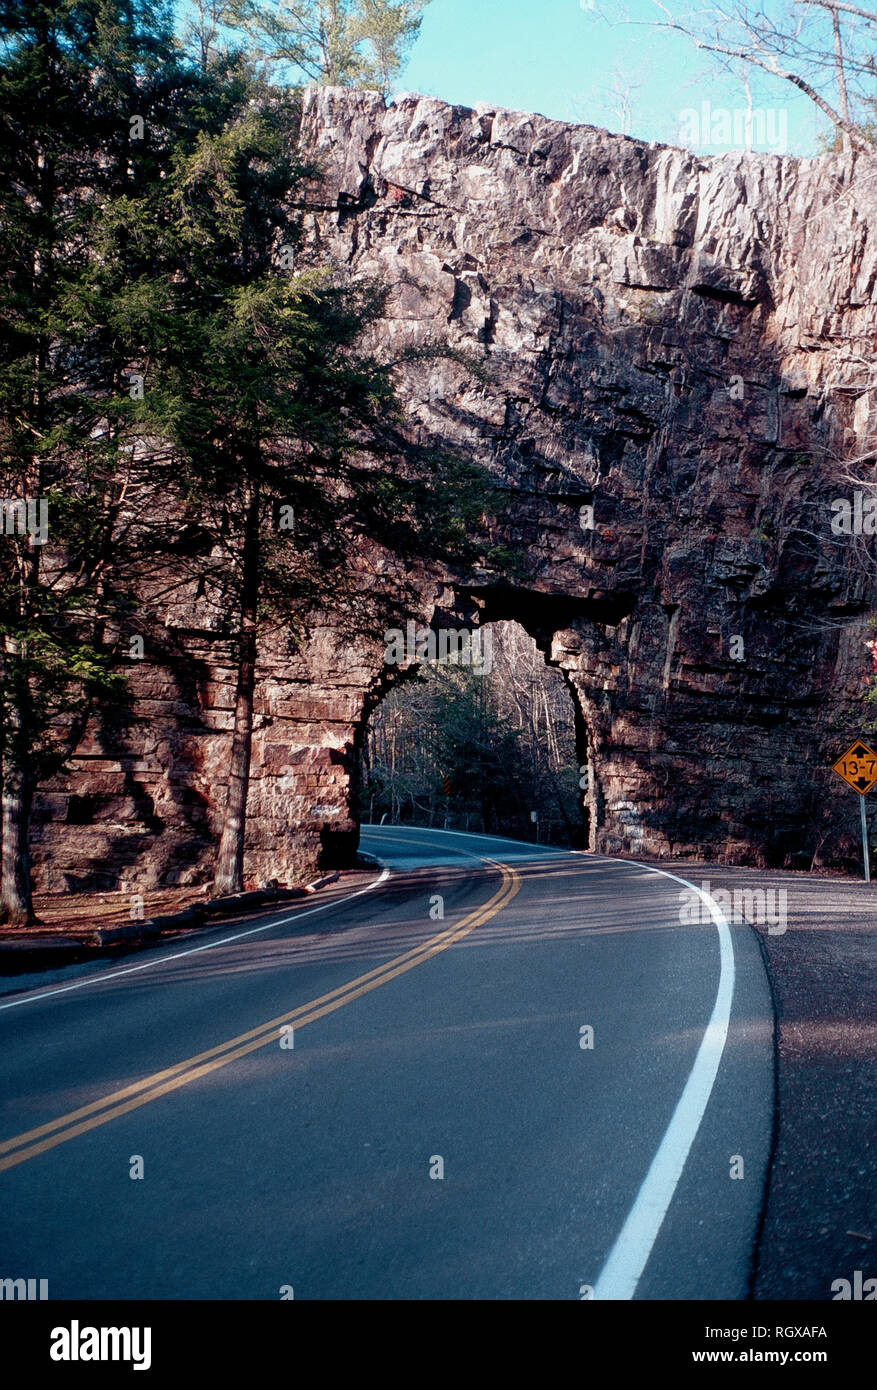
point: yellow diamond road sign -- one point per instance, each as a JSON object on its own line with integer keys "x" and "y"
{"x": 858, "y": 767}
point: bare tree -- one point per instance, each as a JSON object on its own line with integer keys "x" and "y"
{"x": 824, "y": 48}
{"x": 615, "y": 97}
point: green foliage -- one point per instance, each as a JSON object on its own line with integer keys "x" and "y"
{"x": 168, "y": 383}
{"x": 72, "y": 76}
{"x": 260, "y": 386}
{"x": 447, "y": 727}
{"x": 353, "y": 43}
{"x": 383, "y": 33}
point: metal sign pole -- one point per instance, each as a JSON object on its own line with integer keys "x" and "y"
{"x": 858, "y": 768}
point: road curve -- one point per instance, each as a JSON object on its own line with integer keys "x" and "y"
{"x": 492, "y": 1071}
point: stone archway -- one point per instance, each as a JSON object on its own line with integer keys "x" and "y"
{"x": 670, "y": 377}
{"x": 486, "y": 711}
{"x": 669, "y": 386}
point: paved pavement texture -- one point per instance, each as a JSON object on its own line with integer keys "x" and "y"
{"x": 487, "y": 1071}
{"x": 820, "y": 1221}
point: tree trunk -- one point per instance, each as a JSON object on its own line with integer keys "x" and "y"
{"x": 16, "y": 902}
{"x": 841, "y": 79}
{"x": 229, "y": 876}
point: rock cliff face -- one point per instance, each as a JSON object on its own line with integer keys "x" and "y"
{"x": 678, "y": 372}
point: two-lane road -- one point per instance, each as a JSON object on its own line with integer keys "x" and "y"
{"x": 499, "y": 1072}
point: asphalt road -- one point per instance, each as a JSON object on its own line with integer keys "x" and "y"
{"x": 433, "y": 1127}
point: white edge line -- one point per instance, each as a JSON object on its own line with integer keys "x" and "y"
{"x": 629, "y": 1255}
{"x": 99, "y": 979}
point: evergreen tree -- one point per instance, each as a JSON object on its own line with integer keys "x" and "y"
{"x": 282, "y": 429}
{"x": 155, "y": 340}
{"x": 83, "y": 83}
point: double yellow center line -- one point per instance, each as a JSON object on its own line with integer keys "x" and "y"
{"x": 100, "y": 1112}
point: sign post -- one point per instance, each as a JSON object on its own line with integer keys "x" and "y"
{"x": 858, "y": 768}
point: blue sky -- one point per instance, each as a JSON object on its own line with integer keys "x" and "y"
{"x": 563, "y": 59}
{"x": 568, "y": 59}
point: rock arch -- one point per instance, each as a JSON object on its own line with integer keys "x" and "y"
{"x": 676, "y": 366}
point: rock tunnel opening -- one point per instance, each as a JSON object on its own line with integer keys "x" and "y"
{"x": 484, "y": 737}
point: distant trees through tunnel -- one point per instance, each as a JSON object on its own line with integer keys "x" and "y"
{"x": 489, "y": 747}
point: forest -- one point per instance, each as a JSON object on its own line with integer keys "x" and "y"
{"x": 491, "y": 751}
